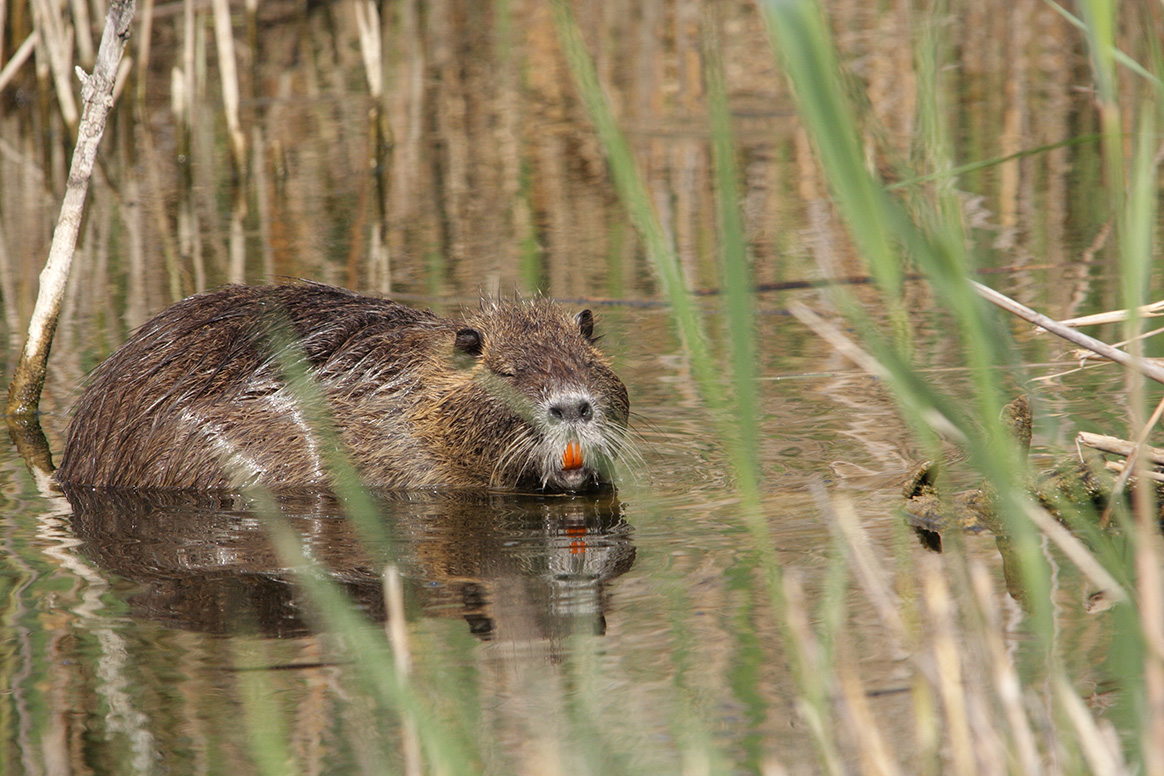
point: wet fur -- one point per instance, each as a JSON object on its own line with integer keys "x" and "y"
{"x": 196, "y": 399}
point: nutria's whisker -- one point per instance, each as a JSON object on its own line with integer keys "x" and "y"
{"x": 521, "y": 449}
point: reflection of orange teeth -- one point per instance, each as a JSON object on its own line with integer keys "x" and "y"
{"x": 572, "y": 457}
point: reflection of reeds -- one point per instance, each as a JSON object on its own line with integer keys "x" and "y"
{"x": 379, "y": 274}
{"x": 508, "y": 128}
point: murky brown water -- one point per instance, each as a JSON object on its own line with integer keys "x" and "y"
{"x": 555, "y": 632}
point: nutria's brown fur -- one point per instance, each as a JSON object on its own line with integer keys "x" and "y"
{"x": 197, "y": 400}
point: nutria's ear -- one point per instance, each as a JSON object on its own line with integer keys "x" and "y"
{"x": 585, "y": 320}
{"x": 468, "y": 342}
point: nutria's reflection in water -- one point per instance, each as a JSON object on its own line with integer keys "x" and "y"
{"x": 514, "y": 567}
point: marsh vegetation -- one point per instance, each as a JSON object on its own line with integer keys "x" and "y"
{"x": 776, "y": 211}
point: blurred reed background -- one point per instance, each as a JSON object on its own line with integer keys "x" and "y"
{"x": 477, "y": 166}
{"x": 641, "y": 152}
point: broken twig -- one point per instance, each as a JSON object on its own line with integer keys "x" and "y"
{"x": 1117, "y": 446}
{"x": 97, "y": 94}
{"x": 1154, "y": 310}
{"x": 1148, "y": 369}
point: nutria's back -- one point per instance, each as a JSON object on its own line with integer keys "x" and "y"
{"x": 515, "y": 395}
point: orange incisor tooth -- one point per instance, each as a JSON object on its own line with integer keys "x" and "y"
{"x": 572, "y": 456}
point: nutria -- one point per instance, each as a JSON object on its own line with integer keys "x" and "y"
{"x": 514, "y": 396}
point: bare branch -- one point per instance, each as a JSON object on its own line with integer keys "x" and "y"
{"x": 97, "y": 98}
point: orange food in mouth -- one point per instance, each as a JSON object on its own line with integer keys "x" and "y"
{"x": 572, "y": 457}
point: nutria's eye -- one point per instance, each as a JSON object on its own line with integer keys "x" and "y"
{"x": 585, "y": 321}
{"x": 468, "y": 342}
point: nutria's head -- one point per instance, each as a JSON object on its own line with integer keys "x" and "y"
{"x": 547, "y": 409}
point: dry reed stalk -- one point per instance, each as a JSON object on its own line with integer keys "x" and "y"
{"x": 145, "y": 33}
{"x": 397, "y": 629}
{"x": 1075, "y": 550}
{"x": 97, "y": 94}
{"x": 82, "y": 31}
{"x": 850, "y": 350}
{"x": 8, "y": 288}
{"x": 98, "y": 288}
{"x": 927, "y": 725}
{"x": 948, "y": 661}
{"x": 58, "y": 44}
{"x": 989, "y": 747}
{"x": 157, "y": 204}
{"x": 969, "y": 706}
{"x": 811, "y": 675}
{"x": 1007, "y": 685}
{"x": 1150, "y": 580}
{"x": 1149, "y": 369}
{"x": 1150, "y": 592}
{"x": 869, "y": 572}
{"x": 19, "y": 57}
{"x": 1147, "y": 539}
{"x": 871, "y": 745}
{"x": 136, "y": 304}
{"x": 237, "y": 240}
{"x": 228, "y": 71}
{"x": 262, "y": 199}
{"x": 1083, "y": 355}
{"x": 123, "y": 71}
{"x": 368, "y": 26}
{"x": 1101, "y": 751}
{"x": 188, "y": 91}
{"x": 252, "y": 9}
{"x": 1154, "y": 310}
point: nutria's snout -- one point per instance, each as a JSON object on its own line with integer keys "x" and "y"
{"x": 572, "y": 410}
{"x": 580, "y": 441}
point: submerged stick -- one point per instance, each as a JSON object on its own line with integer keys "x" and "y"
{"x": 1130, "y": 464}
{"x": 1121, "y": 468}
{"x": 97, "y": 95}
{"x": 1148, "y": 369}
{"x": 1117, "y": 446}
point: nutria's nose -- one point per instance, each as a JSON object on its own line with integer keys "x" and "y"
{"x": 572, "y": 410}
